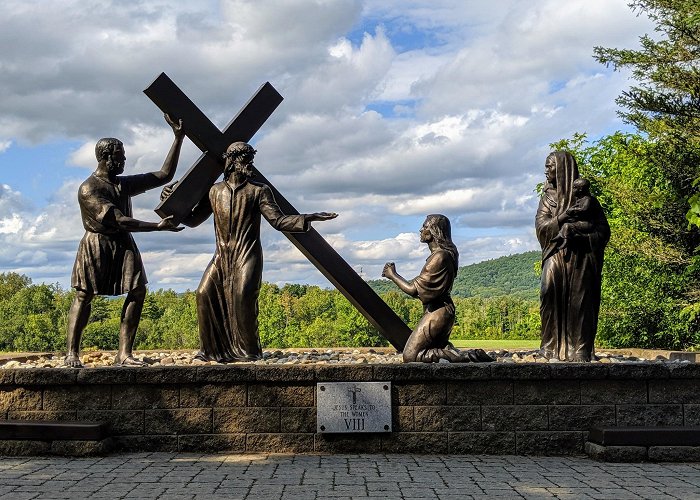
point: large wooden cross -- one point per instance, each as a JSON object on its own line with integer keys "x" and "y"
{"x": 195, "y": 185}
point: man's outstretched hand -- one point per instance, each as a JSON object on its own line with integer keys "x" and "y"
{"x": 319, "y": 216}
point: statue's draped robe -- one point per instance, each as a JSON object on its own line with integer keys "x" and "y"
{"x": 108, "y": 262}
{"x": 227, "y": 297}
{"x": 429, "y": 339}
{"x": 571, "y": 277}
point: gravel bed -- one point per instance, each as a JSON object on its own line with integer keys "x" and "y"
{"x": 303, "y": 357}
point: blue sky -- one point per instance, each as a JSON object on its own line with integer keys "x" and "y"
{"x": 393, "y": 109}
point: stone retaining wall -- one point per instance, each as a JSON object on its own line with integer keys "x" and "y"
{"x": 495, "y": 408}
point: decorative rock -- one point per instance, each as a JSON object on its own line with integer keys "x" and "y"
{"x": 315, "y": 356}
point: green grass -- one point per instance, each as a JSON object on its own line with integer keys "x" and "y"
{"x": 497, "y": 344}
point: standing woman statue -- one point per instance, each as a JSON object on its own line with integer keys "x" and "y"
{"x": 571, "y": 266}
{"x": 430, "y": 340}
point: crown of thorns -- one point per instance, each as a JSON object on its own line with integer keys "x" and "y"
{"x": 242, "y": 151}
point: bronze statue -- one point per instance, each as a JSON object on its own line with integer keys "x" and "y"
{"x": 195, "y": 184}
{"x": 227, "y": 296}
{"x": 430, "y": 340}
{"x": 572, "y": 230}
{"x": 108, "y": 262}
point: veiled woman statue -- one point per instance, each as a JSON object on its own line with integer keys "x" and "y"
{"x": 571, "y": 265}
{"x": 430, "y": 341}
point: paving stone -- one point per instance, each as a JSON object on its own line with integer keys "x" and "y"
{"x": 353, "y": 475}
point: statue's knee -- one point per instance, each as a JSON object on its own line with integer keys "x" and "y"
{"x": 138, "y": 293}
{"x": 83, "y": 297}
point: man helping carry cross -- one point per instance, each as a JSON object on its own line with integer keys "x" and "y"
{"x": 237, "y": 204}
{"x": 108, "y": 262}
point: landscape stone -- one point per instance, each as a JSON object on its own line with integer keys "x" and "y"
{"x": 281, "y": 395}
{"x": 212, "y": 395}
{"x": 178, "y": 420}
{"x": 476, "y": 393}
{"x": 627, "y": 454}
{"x": 297, "y": 420}
{"x": 649, "y": 415}
{"x": 250, "y": 420}
{"x": 19, "y": 398}
{"x": 427, "y": 394}
{"x": 581, "y": 417}
{"x": 512, "y": 417}
{"x": 121, "y": 422}
{"x": 77, "y": 397}
{"x": 674, "y": 453}
{"x": 554, "y": 392}
{"x": 144, "y": 396}
{"x": 613, "y": 392}
{"x": 674, "y": 391}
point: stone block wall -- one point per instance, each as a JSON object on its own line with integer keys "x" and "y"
{"x": 493, "y": 408}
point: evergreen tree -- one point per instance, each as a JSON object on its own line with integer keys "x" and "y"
{"x": 665, "y": 104}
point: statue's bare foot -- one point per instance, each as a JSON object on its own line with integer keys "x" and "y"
{"x": 128, "y": 361}
{"x": 72, "y": 360}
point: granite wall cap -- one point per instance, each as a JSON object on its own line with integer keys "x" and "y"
{"x": 520, "y": 371}
{"x": 164, "y": 375}
{"x": 404, "y": 372}
{"x": 285, "y": 373}
{"x": 7, "y": 376}
{"x": 107, "y": 375}
{"x": 462, "y": 371}
{"x": 225, "y": 373}
{"x": 638, "y": 371}
{"x": 344, "y": 373}
{"x": 684, "y": 370}
{"x": 46, "y": 376}
{"x": 579, "y": 371}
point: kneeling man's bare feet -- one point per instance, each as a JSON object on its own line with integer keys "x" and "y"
{"x": 72, "y": 360}
{"x": 128, "y": 361}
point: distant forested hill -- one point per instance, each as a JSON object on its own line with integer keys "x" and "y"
{"x": 510, "y": 275}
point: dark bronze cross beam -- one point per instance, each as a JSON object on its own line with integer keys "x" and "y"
{"x": 201, "y": 176}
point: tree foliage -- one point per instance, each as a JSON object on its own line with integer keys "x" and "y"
{"x": 508, "y": 275}
{"x": 34, "y": 318}
{"x": 665, "y": 104}
{"x": 649, "y": 182}
{"x": 650, "y": 275}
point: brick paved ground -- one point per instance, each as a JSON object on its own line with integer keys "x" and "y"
{"x": 192, "y": 476}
